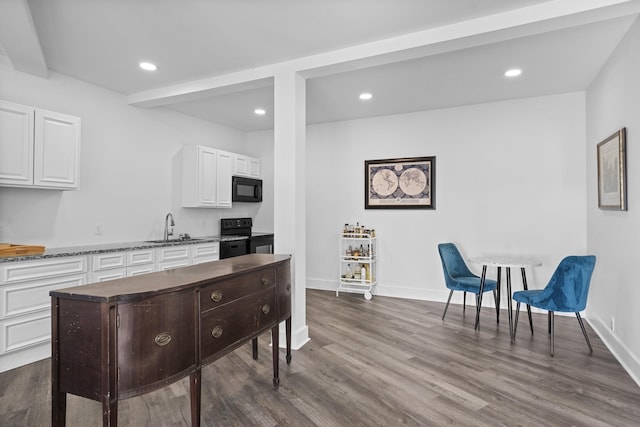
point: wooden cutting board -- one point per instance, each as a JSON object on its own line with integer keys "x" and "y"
{"x": 8, "y": 249}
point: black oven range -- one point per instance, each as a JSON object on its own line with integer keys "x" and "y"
{"x": 237, "y": 238}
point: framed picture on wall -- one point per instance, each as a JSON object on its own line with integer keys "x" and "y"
{"x": 612, "y": 175}
{"x": 407, "y": 183}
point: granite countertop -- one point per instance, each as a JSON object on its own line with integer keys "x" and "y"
{"x": 107, "y": 247}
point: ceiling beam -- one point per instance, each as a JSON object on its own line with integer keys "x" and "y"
{"x": 19, "y": 38}
{"x": 536, "y": 19}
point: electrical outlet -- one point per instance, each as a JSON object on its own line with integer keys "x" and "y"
{"x": 98, "y": 229}
{"x": 613, "y": 324}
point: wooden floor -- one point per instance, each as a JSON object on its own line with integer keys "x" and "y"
{"x": 384, "y": 362}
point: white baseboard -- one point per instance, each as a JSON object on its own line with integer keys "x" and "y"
{"x": 627, "y": 359}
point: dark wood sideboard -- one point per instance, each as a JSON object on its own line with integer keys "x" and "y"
{"x": 126, "y": 337}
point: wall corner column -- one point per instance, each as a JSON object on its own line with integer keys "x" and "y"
{"x": 290, "y": 191}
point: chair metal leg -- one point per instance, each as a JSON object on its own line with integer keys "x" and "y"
{"x": 515, "y": 325}
{"x": 447, "y": 306}
{"x": 479, "y": 296}
{"x": 526, "y": 288}
{"x": 551, "y": 333}
{"x": 496, "y": 299}
{"x": 464, "y": 302}
{"x": 584, "y": 331}
{"x": 498, "y": 292}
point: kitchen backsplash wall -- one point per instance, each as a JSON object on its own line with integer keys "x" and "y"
{"x": 129, "y": 171}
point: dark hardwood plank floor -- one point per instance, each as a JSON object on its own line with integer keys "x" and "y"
{"x": 384, "y": 362}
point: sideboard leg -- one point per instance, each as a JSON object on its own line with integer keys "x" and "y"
{"x": 275, "y": 340}
{"x": 288, "y": 329}
{"x": 109, "y": 412}
{"x": 254, "y": 348}
{"x": 59, "y": 412}
{"x": 195, "y": 392}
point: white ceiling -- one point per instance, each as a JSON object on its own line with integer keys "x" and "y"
{"x": 560, "y": 49}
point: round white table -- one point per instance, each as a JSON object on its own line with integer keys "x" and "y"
{"x": 508, "y": 262}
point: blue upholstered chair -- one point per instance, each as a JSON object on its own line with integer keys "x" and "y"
{"x": 566, "y": 291}
{"x": 457, "y": 277}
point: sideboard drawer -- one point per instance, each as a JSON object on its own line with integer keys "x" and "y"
{"x": 225, "y": 291}
{"x": 222, "y": 327}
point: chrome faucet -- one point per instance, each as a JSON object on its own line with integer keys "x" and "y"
{"x": 168, "y": 233}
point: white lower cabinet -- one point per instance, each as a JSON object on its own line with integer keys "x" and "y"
{"x": 118, "y": 265}
{"x": 25, "y": 305}
{"x": 25, "y": 311}
{"x": 205, "y": 252}
{"x": 171, "y": 257}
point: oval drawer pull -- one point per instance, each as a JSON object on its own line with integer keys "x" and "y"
{"x": 266, "y": 309}
{"x": 216, "y": 296}
{"x": 265, "y": 281}
{"x": 288, "y": 287}
{"x": 162, "y": 339}
{"x": 216, "y": 332}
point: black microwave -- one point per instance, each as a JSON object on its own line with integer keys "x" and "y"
{"x": 246, "y": 189}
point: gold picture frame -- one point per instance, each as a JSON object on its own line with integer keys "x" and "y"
{"x": 612, "y": 172}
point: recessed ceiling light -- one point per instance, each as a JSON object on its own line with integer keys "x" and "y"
{"x": 148, "y": 66}
{"x": 259, "y": 111}
{"x": 365, "y": 96}
{"x": 514, "y": 72}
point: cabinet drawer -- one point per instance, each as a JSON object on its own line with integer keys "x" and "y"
{"x": 33, "y": 296}
{"x": 173, "y": 253}
{"x": 140, "y": 257}
{"x": 108, "y": 261}
{"x": 155, "y": 340}
{"x": 205, "y": 250}
{"x": 233, "y": 322}
{"x": 112, "y": 274}
{"x": 225, "y": 291}
{"x": 140, "y": 269}
{"x": 23, "y": 332}
{"x": 33, "y": 270}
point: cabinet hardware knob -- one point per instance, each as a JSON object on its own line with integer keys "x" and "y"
{"x": 288, "y": 287}
{"x": 216, "y": 332}
{"x": 162, "y": 339}
{"x": 216, "y": 296}
{"x": 266, "y": 309}
{"x": 265, "y": 281}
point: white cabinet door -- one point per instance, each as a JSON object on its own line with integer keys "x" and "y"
{"x": 16, "y": 144}
{"x": 254, "y": 167}
{"x": 205, "y": 252}
{"x": 199, "y": 176}
{"x": 57, "y": 150}
{"x": 246, "y": 166}
{"x": 224, "y": 175}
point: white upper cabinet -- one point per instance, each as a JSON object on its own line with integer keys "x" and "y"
{"x": 38, "y": 148}
{"x": 206, "y": 177}
{"x": 246, "y": 166}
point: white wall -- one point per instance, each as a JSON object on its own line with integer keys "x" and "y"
{"x": 613, "y": 102}
{"x": 130, "y": 172}
{"x": 510, "y": 178}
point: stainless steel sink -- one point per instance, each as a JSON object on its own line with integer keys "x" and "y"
{"x": 173, "y": 241}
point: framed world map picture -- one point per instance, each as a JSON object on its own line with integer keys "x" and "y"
{"x": 400, "y": 183}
